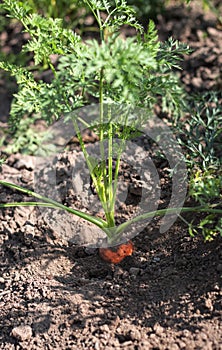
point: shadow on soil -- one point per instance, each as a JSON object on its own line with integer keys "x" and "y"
{"x": 167, "y": 281}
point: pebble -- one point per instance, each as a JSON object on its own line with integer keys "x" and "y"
{"x": 216, "y": 287}
{"x": 158, "y": 329}
{"x": 97, "y": 346}
{"x": 26, "y": 162}
{"x": 209, "y": 305}
{"x": 156, "y": 259}
{"x": 77, "y": 183}
{"x": 174, "y": 347}
{"x": 135, "y": 334}
{"x": 2, "y": 280}
{"x": 212, "y": 31}
{"x": 104, "y": 328}
{"x": 181, "y": 344}
{"x": 22, "y": 332}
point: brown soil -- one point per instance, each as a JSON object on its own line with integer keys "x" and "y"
{"x": 167, "y": 295}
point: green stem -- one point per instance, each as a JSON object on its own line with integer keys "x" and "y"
{"x": 110, "y": 164}
{"x": 117, "y": 165}
{"x": 108, "y": 17}
{"x": 162, "y": 212}
{"x": 94, "y": 220}
{"x": 93, "y": 11}
{"x": 109, "y": 182}
{"x": 101, "y": 116}
{"x": 52, "y": 67}
{"x": 184, "y": 220}
{"x": 27, "y": 204}
{"x": 113, "y": 233}
{"x": 104, "y": 185}
{"x": 99, "y": 187}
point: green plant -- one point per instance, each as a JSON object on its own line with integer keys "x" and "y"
{"x": 200, "y": 136}
{"x": 205, "y": 187}
{"x": 27, "y": 138}
{"x": 136, "y": 72}
{"x": 200, "y": 133}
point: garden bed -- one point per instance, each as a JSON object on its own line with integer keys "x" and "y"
{"x": 167, "y": 295}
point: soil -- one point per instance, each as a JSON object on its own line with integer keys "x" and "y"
{"x": 55, "y": 294}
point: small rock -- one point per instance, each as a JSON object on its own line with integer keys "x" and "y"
{"x": 152, "y": 336}
{"x": 16, "y": 276}
{"x": 77, "y": 183}
{"x": 212, "y": 31}
{"x": 197, "y": 82}
{"x": 26, "y": 162}
{"x": 135, "y": 334}
{"x": 2, "y": 280}
{"x": 158, "y": 329}
{"x": 181, "y": 344}
{"x": 105, "y": 328}
{"x": 156, "y": 259}
{"x": 134, "y": 271}
{"x": 22, "y": 332}
{"x": 209, "y": 305}
{"x": 97, "y": 346}
{"x": 186, "y": 333}
{"x": 216, "y": 287}
{"x": 174, "y": 347}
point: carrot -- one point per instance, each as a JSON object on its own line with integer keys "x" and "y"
{"x": 116, "y": 254}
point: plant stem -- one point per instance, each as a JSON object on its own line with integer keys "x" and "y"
{"x": 101, "y": 116}
{"x": 162, "y": 212}
{"x": 98, "y": 185}
{"x": 94, "y": 220}
{"x": 112, "y": 232}
{"x": 109, "y": 184}
{"x": 93, "y": 11}
{"x": 105, "y": 184}
{"x": 117, "y": 172}
{"x": 110, "y": 165}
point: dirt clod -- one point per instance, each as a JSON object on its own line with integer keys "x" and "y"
{"x": 22, "y": 332}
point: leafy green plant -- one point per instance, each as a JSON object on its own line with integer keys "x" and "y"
{"x": 135, "y": 72}
{"x": 200, "y": 135}
{"x": 27, "y": 139}
{"x": 206, "y": 187}
{"x": 76, "y": 79}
